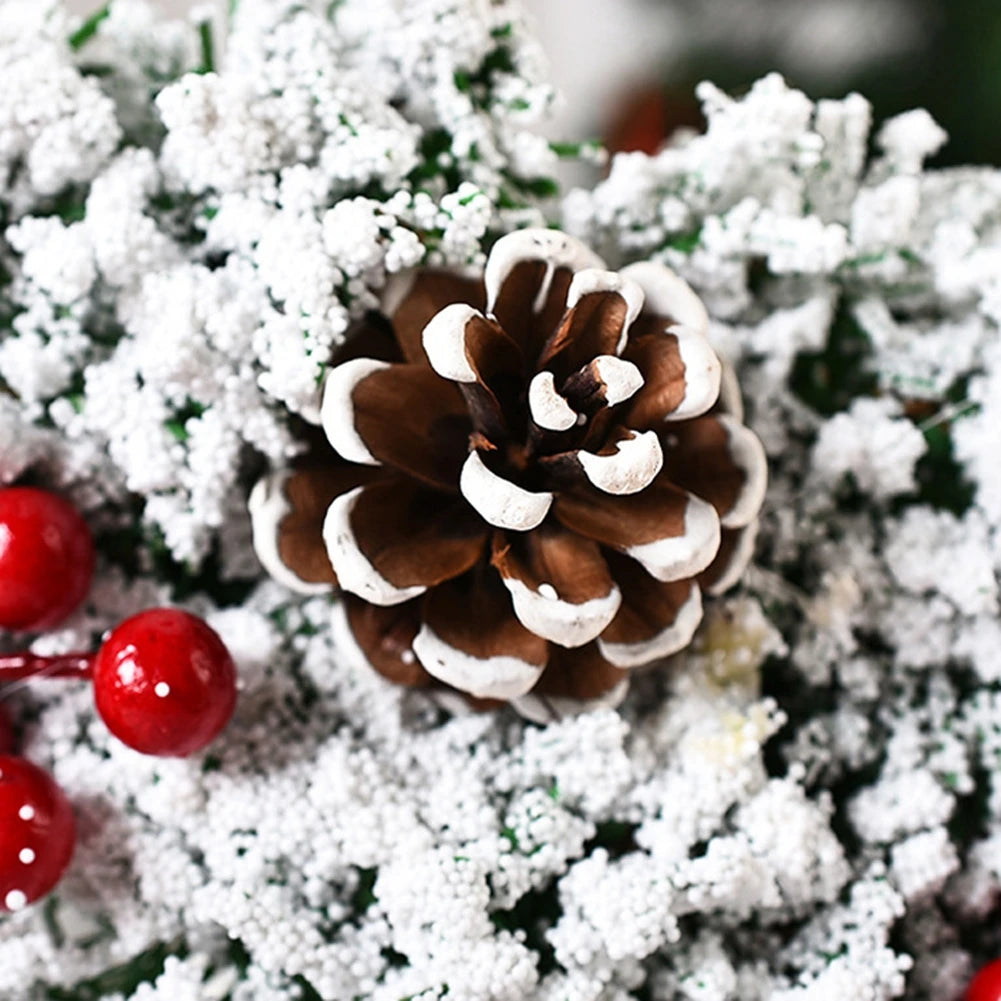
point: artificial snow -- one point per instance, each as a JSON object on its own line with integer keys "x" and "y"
{"x": 800, "y": 807}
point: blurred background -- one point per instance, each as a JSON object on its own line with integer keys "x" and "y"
{"x": 633, "y": 64}
{"x": 628, "y": 68}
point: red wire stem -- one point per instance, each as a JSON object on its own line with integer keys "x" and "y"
{"x": 15, "y": 666}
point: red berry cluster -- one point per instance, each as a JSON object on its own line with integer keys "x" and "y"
{"x": 37, "y": 831}
{"x": 986, "y": 985}
{"x": 164, "y": 683}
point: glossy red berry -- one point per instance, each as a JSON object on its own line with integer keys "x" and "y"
{"x": 46, "y": 558}
{"x": 986, "y": 985}
{"x": 37, "y": 832}
{"x": 164, "y": 682}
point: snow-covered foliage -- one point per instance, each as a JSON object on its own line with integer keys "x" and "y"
{"x": 184, "y": 293}
{"x": 803, "y": 807}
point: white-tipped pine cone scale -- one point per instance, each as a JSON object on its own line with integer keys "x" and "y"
{"x": 527, "y": 480}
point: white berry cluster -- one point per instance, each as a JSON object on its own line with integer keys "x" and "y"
{"x": 181, "y": 268}
{"x": 859, "y": 298}
{"x": 805, "y": 807}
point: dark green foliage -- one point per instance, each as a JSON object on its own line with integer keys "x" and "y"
{"x": 617, "y": 837}
{"x": 69, "y": 205}
{"x": 309, "y": 992}
{"x": 941, "y": 480}
{"x": 685, "y": 242}
{"x": 364, "y": 895}
{"x": 138, "y": 548}
{"x": 969, "y": 821}
{"x": 207, "y": 46}
{"x": 828, "y": 380}
{"x": 177, "y": 425}
{"x": 537, "y": 187}
{"x": 478, "y": 84}
{"x": 433, "y": 145}
{"x": 534, "y": 913}
{"x": 124, "y": 979}
{"x": 572, "y": 150}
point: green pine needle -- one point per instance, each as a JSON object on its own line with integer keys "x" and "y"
{"x": 88, "y": 29}
{"x": 207, "y": 64}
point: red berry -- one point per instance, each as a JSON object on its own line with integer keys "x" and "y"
{"x": 164, "y": 683}
{"x": 46, "y": 558}
{"x": 6, "y": 732}
{"x": 37, "y": 832}
{"x": 986, "y": 985}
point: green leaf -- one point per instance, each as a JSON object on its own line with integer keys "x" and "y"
{"x": 88, "y": 29}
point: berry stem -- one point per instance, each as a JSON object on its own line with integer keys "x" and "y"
{"x": 15, "y": 666}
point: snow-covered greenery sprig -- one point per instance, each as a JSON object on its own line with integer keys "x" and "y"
{"x": 805, "y": 809}
{"x": 184, "y": 250}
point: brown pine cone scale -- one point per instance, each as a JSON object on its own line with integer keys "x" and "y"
{"x": 530, "y": 479}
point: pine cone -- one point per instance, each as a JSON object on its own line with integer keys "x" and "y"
{"x": 533, "y": 478}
